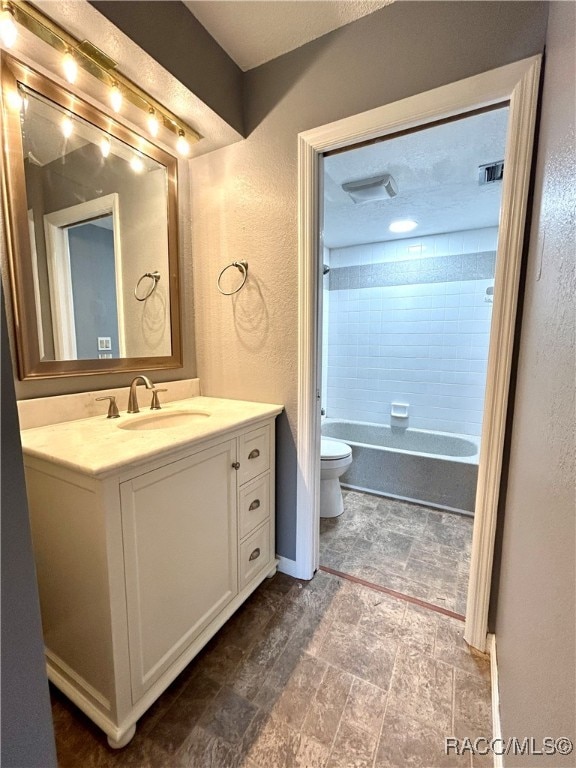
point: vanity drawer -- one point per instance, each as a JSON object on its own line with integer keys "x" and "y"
{"x": 254, "y": 454}
{"x": 254, "y": 507}
{"x": 254, "y": 554}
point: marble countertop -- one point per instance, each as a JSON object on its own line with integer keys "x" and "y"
{"x": 98, "y": 445}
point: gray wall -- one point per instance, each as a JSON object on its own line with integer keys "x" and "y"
{"x": 244, "y": 197}
{"x": 93, "y": 276}
{"x": 535, "y": 617}
{"x": 176, "y": 39}
{"x": 27, "y": 738}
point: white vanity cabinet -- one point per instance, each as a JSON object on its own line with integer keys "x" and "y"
{"x": 139, "y": 568}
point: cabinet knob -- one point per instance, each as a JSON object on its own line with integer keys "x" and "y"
{"x": 236, "y": 465}
{"x": 255, "y": 555}
{"x": 255, "y": 504}
{"x": 254, "y": 454}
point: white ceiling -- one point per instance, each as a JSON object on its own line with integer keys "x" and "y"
{"x": 436, "y": 171}
{"x": 253, "y": 32}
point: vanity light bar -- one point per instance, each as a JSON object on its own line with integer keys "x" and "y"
{"x": 94, "y": 61}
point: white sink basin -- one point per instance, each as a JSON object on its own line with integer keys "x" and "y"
{"x": 167, "y": 420}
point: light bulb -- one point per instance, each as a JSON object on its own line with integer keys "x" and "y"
{"x": 67, "y": 127}
{"x": 116, "y": 98}
{"x": 105, "y": 146}
{"x": 8, "y": 31}
{"x": 70, "y": 67}
{"x": 153, "y": 122}
{"x": 182, "y": 145}
{"x": 14, "y": 100}
{"x": 136, "y": 164}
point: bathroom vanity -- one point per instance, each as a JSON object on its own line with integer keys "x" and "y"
{"x": 149, "y": 532}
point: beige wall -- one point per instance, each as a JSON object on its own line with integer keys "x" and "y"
{"x": 244, "y": 196}
{"x": 535, "y": 618}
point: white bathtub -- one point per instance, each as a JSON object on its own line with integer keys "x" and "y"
{"x": 434, "y": 468}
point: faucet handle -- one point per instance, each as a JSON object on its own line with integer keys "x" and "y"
{"x": 112, "y": 408}
{"x": 155, "y": 402}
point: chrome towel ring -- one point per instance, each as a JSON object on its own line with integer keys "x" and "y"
{"x": 155, "y": 276}
{"x": 240, "y": 265}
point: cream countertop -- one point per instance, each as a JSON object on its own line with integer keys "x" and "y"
{"x": 98, "y": 445}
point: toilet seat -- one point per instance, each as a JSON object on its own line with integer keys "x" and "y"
{"x": 333, "y": 450}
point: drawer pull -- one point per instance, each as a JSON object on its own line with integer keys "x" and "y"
{"x": 236, "y": 465}
{"x": 255, "y": 555}
{"x": 254, "y": 454}
{"x": 255, "y": 504}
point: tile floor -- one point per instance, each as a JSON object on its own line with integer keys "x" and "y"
{"x": 319, "y": 674}
{"x": 409, "y": 548}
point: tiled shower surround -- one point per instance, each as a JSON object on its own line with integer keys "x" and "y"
{"x": 409, "y": 322}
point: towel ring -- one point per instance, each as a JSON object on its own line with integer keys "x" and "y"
{"x": 155, "y": 276}
{"x": 243, "y": 267}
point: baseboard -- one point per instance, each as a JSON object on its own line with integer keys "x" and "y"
{"x": 496, "y": 724}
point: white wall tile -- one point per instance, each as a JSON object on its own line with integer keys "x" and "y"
{"x": 424, "y": 344}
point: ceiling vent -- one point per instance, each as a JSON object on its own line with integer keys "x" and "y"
{"x": 491, "y": 172}
{"x": 376, "y": 188}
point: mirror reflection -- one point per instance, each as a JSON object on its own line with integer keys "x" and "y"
{"x": 92, "y": 213}
{"x": 97, "y": 214}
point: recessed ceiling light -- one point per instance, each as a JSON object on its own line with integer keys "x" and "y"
{"x": 403, "y": 225}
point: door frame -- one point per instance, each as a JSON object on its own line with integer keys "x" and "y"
{"x": 515, "y": 84}
{"x": 60, "y": 274}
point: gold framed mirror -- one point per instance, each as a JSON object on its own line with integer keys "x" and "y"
{"x": 91, "y": 210}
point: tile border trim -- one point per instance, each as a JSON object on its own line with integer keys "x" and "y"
{"x": 437, "y": 269}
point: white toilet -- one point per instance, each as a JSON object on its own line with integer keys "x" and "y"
{"x": 336, "y": 458}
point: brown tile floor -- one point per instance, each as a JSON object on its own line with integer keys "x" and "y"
{"x": 409, "y": 548}
{"x": 319, "y": 674}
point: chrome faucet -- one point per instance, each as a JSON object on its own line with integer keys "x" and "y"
{"x": 133, "y": 398}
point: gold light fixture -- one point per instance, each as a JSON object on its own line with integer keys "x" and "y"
{"x": 84, "y": 55}
{"x": 116, "y": 97}
{"x": 153, "y": 124}
{"x": 182, "y": 144}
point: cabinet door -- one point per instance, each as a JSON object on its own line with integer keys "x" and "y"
{"x": 180, "y": 543}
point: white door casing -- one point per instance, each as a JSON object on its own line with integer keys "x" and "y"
{"x": 516, "y": 84}
{"x": 60, "y": 279}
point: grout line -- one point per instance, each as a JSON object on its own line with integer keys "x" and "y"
{"x": 388, "y": 695}
{"x": 337, "y": 731}
{"x": 393, "y": 593}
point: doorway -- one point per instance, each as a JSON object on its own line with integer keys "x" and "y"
{"x": 409, "y": 241}
{"x": 517, "y": 85}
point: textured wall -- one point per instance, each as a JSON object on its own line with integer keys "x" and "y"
{"x": 174, "y": 37}
{"x": 244, "y": 197}
{"x": 535, "y": 621}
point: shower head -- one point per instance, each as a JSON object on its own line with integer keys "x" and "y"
{"x": 376, "y": 188}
